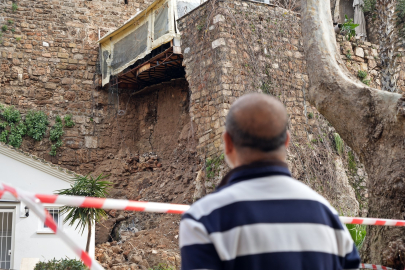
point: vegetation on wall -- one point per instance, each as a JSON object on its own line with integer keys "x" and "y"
{"x": 212, "y": 166}
{"x": 369, "y": 6}
{"x": 37, "y": 123}
{"x": 14, "y": 7}
{"x": 55, "y": 134}
{"x": 348, "y": 28}
{"x": 13, "y": 128}
{"x": 362, "y": 76}
{"x": 400, "y": 10}
{"x": 338, "y": 143}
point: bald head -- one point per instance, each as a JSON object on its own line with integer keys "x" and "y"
{"x": 258, "y": 122}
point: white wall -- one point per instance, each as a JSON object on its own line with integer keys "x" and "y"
{"x": 28, "y": 243}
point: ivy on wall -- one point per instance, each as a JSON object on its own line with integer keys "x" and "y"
{"x": 13, "y": 127}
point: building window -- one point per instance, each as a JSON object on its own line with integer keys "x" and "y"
{"x": 55, "y": 214}
{"x": 126, "y": 2}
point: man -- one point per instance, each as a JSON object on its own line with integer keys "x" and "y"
{"x": 260, "y": 217}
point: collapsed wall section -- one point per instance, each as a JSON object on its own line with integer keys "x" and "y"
{"x": 236, "y": 47}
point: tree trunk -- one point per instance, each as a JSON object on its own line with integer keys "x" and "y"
{"x": 372, "y": 123}
{"x": 88, "y": 237}
{"x": 389, "y": 39}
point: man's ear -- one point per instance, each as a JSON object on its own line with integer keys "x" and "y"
{"x": 228, "y": 143}
{"x": 287, "y": 141}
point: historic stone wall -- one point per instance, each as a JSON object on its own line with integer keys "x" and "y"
{"x": 238, "y": 47}
{"x": 364, "y": 56}
{"x": 48, "y": 60}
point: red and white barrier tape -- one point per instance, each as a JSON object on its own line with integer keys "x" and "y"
{"x": 373, "y": 266}
{"x": 33, "y": 202}
{"x": 113, "y": 204}
{"x": 171, "y": 208}
{"x": 44, "y": 216}
{"x": 372, "y": 221}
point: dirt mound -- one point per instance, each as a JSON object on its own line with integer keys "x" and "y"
{"x": 134, "y": 240}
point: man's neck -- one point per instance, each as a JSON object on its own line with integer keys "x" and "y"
{"x": 246, "y": 158}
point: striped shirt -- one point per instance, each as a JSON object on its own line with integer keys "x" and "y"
{"x": 264, "y": 219}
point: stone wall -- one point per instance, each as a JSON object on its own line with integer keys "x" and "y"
{"x": 48, "y": 62}
{"x": 238, "y": 47}
{"x": 364, "y": 56}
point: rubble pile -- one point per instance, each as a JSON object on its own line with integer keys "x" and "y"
{"x": 143, "y": 249}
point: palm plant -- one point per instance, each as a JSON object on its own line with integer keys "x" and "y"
{"x": 89, "y": 187}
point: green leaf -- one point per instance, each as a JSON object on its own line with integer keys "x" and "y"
{"x": 89, "y": 187}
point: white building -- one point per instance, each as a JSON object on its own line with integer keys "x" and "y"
{"x": 24, "y": 239}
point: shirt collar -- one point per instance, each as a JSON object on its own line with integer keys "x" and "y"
{"x": 255, "y": 170}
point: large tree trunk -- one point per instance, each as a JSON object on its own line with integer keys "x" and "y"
{"x": 389, "y": 38}
{"x": 372, "y": 123}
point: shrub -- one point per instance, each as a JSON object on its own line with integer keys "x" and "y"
{"x": 11, "y": 115}
{"x": 62, "y": 264}
{"x": 3, "y": 136}
{"x": 16, "y": 134}
{"x": 36, "y": 122}
{"x": 362, "y": 74}
{"x": 348, "y": 28}
{"x": 14, "y": 7}
{"x": 401, "y": 9}
{"x": 68, "y": 121}
{"x": 4, "y": 28}
{"x": 55, "y": 134}
{"x": 3, "y": 125}
{"x": 369, "y": 6}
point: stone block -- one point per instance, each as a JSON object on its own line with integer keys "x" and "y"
{"x": 50, "y": 85}
{"x": 72, "y": 45}
{"x": 90, "y": 141}
{"x": 219, "y": 18}
{"x": 358, "y": 51}
{"x": 78, "y": 56}
{"x": 63, "y": 55}
{"x": 67, "y": 81}
{"x": 402, "y": 75}
{"x": 218, "y": 42}
{"x": 372, "y": 63}
{"x": 374, "y": 52}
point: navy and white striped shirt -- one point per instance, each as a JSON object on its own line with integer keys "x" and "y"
{"x": 264, "y": 219}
